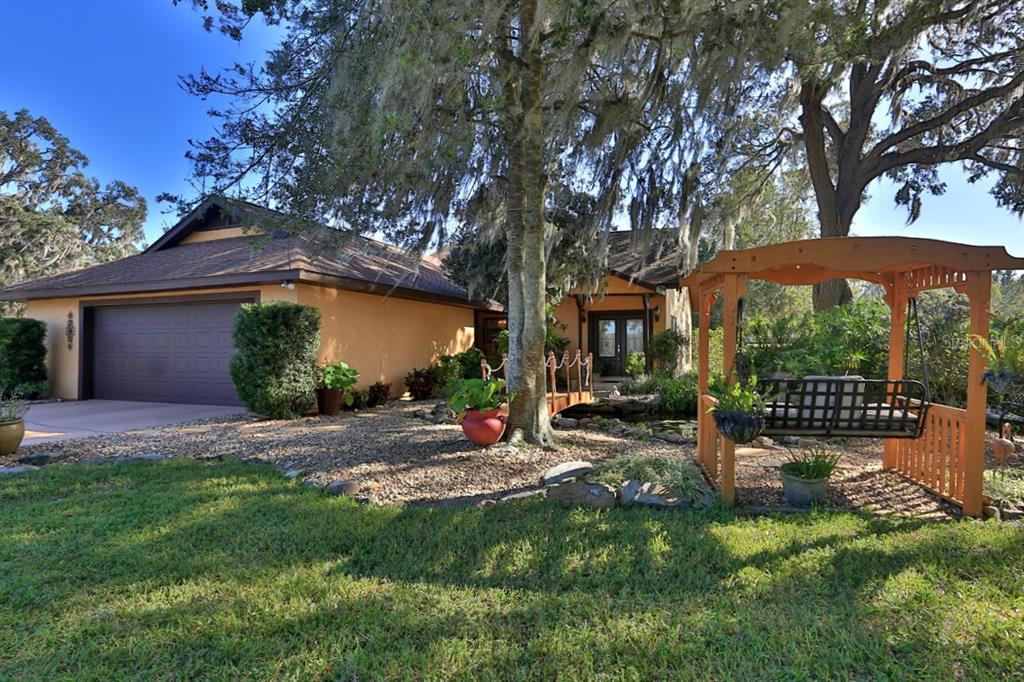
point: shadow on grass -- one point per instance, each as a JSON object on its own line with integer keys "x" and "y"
{"x": 232, "y": 566}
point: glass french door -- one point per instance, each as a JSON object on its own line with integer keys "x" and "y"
{"x": 615, "y": 336}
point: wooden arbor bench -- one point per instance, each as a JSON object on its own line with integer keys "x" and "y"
{"x": 948, "y": 456}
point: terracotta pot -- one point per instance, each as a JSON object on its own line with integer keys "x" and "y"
{"x": 484, "y": 428}
{"x": 329, "y": 401}
{"x": 11, "y": 434}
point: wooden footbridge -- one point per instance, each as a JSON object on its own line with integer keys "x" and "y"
{"x": 575, "y": 371}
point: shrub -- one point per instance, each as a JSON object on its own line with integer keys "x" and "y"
{"x": 636, "y": 364}
{"x": 425, "y": 383}
{"x": 379, "y": 393}
{"x": 464, "y": 365}
{"x": 23, "y": 357}
{"x": 678, "y": 394}
{"x": 664, "y": 349}
{"x": 440, "y": 380}
{"x": 274, "y": 366}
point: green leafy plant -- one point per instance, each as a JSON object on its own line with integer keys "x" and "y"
{"x": 480, "y": 395}
{"x": 378, "y": 393}
{"x": 274, "y": 366}
{"x": 680, "y": 475}
{"x": 664, "y": 349}
{"x": 12, "y": 408}
{"x": 813, "y": 463}
{"x": 737, "y": 396}
{"x": 339, "y": 376}
{"x": 1004, "y": 355}
{"x": 425, "y": 383}
{"x": 636, "y": 364}
{"x": 678, "y": 395}
{"x": 23, "y": 356}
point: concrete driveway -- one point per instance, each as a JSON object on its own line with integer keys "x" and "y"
{"x": 51, "y": 422}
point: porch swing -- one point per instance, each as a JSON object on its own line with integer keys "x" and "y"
{"x": 831, "y": 406}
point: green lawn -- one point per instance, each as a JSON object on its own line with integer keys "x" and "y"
{"x": 186, "y": 570}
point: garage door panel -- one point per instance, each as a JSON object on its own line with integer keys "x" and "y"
{"x": 164, "y": 353}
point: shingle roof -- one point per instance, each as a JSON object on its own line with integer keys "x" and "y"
{"x": 359, "y": 263}
{"x": 650, "y": 257}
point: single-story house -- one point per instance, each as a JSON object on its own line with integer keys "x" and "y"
{"x": 157, "y": 326}
{"x": 639, "y": 297}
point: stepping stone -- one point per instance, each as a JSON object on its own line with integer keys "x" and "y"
{"x": 566, "y": 471}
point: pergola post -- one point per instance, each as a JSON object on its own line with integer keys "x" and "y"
{"x": 730, "y": 317}
{"x": 979, "y": 292}
{"x": 896, "y": 297}
{"x": 703, "y": 348}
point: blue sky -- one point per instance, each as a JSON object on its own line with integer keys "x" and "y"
{"x": 105, "y": 74}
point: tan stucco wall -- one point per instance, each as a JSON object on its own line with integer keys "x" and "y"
{"x": 223, "y": 233}
{"x": 62, "y": 363}
{"x": 383, "y": 337}
{"x": 616, "y": 294}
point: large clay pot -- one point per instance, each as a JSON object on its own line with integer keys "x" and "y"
{"x": 329, "y": 400}
{"x": 11, "y": 434}
{"x": 484, "y": 428}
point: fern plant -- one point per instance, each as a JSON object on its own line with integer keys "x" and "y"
{"x": 1004, "y": 355}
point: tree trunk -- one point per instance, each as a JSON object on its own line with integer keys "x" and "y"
{"x": 834, "y": 222}
{"x": 527, "y": 271}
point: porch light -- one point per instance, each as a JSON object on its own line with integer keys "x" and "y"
{"x": 287, "y": 284}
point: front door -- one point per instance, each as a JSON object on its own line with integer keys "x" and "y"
{"x": 614, "y": 337}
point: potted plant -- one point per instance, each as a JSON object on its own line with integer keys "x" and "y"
{"x": 479, "y": 405}
{"x": 1004, "y": 355}
{"x": 739, "y": 412}
{"x": 337, "y": 381}
{"x": 805, "y": 476}
{"x": 12, "y": 423}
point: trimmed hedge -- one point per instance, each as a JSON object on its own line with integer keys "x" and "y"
{"x": 23, "y": 357}
{"x": 274, "y": 366}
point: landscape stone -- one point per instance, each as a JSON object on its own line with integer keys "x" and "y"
{"x": 344, "y": 487}
{"x": 40, "y": 459}
{"x": 582, "y": 494}
{"x": 523, "y": 495}
{"x": 293, "y": 473}
{"x": 990, "y": 512}
{"x": 790, "y": 440}
{"x": 1011, "y": 514}
{"x": 565, "y": 471}
{"x": 628, "y": 491}
{"x": 148, "y": 457}
{"x": 18, "y": 469}
{"x": 567, "y": 422}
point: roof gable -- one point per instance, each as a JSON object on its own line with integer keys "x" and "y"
{"x": 214, "y": 213}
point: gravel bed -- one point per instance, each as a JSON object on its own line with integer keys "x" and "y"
{"x": 393, "y": 454}
{"x": 403, "y": 459}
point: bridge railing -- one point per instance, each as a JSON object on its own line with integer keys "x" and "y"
{"x": 583, "y": 376}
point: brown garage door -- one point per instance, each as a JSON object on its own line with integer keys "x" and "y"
{"x": 163, "y": 353}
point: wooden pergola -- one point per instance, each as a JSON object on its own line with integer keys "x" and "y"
{"x": 949, "y": 458}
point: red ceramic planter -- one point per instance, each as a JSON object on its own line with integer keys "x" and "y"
{"x": 484, "y": 428}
